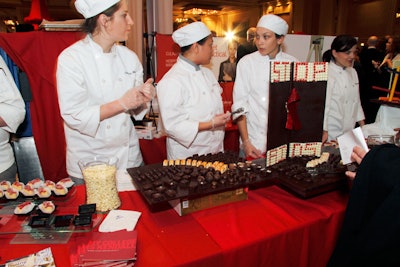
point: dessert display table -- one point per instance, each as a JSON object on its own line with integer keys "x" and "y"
{"x": 271, "y": 228}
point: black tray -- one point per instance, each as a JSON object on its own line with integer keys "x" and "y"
{"x": 160, "y": 184}
{"x": 304, "y": 182}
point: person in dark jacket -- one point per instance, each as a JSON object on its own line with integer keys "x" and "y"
{"x": 371, "y": 229}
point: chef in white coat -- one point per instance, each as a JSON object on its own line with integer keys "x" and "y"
{"x": 251, "y": 89}
{"x": 343, "y": 108}
{"x": 100, "y": 85}
{"x": 12, "y": 114}
{"x": 189, "y": 97}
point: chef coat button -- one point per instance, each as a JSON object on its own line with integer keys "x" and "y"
{"x": 103, "y": 81}
{"x": 120, "y": 79}
{"x": 108, "y": 126}
{"x": 124, "y": 124}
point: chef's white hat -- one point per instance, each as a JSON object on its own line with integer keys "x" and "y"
{"x": 190, "y": 33}
{"x": 273, "y": 23}
{"x": 91, "y": 8}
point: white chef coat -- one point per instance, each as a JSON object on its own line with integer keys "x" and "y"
{"x": 189, "y": 94}
{"x": 251, "y": 92}
{"x": 86, "y": 79}
{"x": 343, "y": 106}
{"x": 12, "y": 110}
{"x": 386, "y": 120}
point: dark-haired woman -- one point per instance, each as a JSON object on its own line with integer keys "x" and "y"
{"x": 189, "y": 97}
{"x": 100, "y": 85}
{"x": 343, "y": 106}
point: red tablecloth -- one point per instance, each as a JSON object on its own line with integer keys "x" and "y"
{"x": 271, "y": 228}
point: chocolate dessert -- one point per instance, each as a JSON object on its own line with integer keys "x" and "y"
{"x": 295, "y": 126}
{"x": 195, "y": 177}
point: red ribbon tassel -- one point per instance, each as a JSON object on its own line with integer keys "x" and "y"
{"x": 292, "y": 120}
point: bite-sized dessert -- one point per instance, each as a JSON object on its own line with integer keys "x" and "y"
{"x": 4, "y": 185}
{"x": 314, "y": 162}
{"x": 36, "y": 183}
{"x": 60, "y": 190}
{"x": 28, "y": 191}
{"x": 43, "y": 192}
{"x": 47, "y": 207}
{"x": 17, "y": 185}
{"x": 11, "y": 193}
{"x": 67, "y": 182}
{"x": 24, "y": 208}
{"x": 50, "y": 184}
{"x": 1, "y": 193}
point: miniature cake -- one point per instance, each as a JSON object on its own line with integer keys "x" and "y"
{"x": 36, "y": 183}
{"x": 24, "y": 208}
{"x": 47, "y": 207}
{"x": 11, "y": 193}
{"x": 67, "y": 182}
{"x": 60, "y": 190}
{"x": 28, "y": 191}
{"x": 50, "y": 184}
{"x": 17, "y": 185}
{"x": 4, "y": 185}
{"x": 1, "y": 193}
{"x": 43, "y": 192}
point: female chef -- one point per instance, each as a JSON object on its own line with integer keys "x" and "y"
{"x": 100, "y": 85}
{"x": 251, "y": 89}
{"x": 343, "y": 108}
{"x": 189, "y": 97}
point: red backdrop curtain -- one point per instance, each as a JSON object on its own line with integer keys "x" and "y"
{"x": 36, "y": 54}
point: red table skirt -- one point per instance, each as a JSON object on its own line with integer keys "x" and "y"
{"x": 271, "y": 228}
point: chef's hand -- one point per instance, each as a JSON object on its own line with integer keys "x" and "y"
{"x": 250, "y": 150}
{"x": 132, "y": 99}
{"x": 221, "y": 119}
{"x": 148, "y": 90}
{"x": 357, "y": 155}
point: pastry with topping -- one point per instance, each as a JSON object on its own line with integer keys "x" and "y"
{"x": 67, "y": 182}
{"x": 18, "y": 185}
{"x": 28, "y": 191}
{"x": 24, "y": 208}
{"x": 11, "y": 193}
{"x": 60, "y": 190}
{"x": 47, "y": 207}
{"x": 36, "y": 183}
{"x": 4, "y": 185}
{"x": 43, "y": 192}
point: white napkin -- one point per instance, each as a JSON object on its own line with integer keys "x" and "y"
{"x": 117, "y": 220}
{"x": 348, "y": 141}
{"x": 124, "y": 181}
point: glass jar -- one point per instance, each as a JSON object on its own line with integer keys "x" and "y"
{"x": 99, "y": 174}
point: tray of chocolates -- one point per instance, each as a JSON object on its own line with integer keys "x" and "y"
{"x": 309, "y": 176}
{"x": 196, "y": 177}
